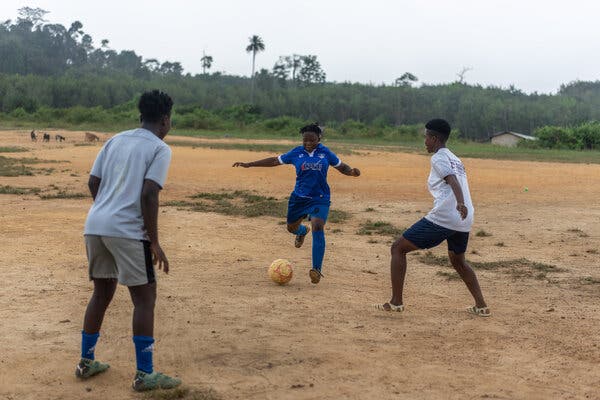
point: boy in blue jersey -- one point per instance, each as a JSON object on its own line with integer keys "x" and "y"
{"x": 311, "y": 197}
{"x": 121, "y": 236}
{"x": 450, "y": 219}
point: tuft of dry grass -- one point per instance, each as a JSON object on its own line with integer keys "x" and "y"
{"x": 578, "y": 231}
{"x": 7, "y": 189}
{"x": 450, "y": 276}
{"x": 63, "y": 194}
{"x": 518, "y": 268}
{"x": 379, "y": 228}
{"x": 243, "y": 203}
{"x": 182, "y": 393}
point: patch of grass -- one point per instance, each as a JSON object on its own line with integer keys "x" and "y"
{"x": 277, "y": 148}
{"x": 243, "y": 203}
{"x": 518, "y": 268}
{"x": 6, "y": 189}
{"x": 14, "y": 166}
{"x": 500, "y": 244}
{"x": 240, "y": 202}
{"x": 431, "y": 259}
{"x": 379, "y": 228}
{"x": 84, "y": 144}
{"x": 592, "y": 251}
{"x": 372, "y": 241}
{"x": 182, "y": 393}
{"x": 482, "y": 233}
{"x": 451, "y": 276}
{"x": 578, "y": 231}
{"x": 12, "y": 149}
{"x": 338, "y": 216}
{"x": 336, "y": 230}
{"x": 369, "y": 209}
{"x": 63, "y": 194}
{"x": 21, "y": 166}
{"x": 588, "y": 280}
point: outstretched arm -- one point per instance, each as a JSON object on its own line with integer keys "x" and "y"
{"x": 460, "y": 200}
{"x": 266, "y": 162}
{"x": 347, "y": 170}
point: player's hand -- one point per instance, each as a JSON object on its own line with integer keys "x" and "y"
{"x": 241, "y": 164}
{"x": 158, "y": 256}
{"x": 462, "y": 209}
{"x": 355, "y": 172}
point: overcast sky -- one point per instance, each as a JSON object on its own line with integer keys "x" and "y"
{"x": 533, "y": 44}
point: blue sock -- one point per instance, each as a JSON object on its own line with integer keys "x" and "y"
{"x": 88, "y": 344}
{"x": 301, "y": 230}
{"x": 318, "y": 249}
{"x": 144, "y": 347}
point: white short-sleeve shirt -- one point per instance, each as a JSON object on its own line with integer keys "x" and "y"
{"x": 444, "y": 213}
{"x": 122, "y": 165}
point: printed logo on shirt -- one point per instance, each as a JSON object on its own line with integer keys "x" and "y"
{"x": 301, "y": 155}
{"x": 316, "y": 166}
{"x": 458, "y": 168}
{"x": 321, "y": 155}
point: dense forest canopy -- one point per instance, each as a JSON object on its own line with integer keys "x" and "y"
{"x": 50, "y": 65}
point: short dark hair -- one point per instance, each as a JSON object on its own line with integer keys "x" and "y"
{"x": 154, "y": 105}
{"x": 314, "y": 128}
{"x": 440, "y": 128}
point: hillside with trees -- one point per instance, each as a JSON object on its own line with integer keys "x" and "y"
{"x": 46, "y": 67}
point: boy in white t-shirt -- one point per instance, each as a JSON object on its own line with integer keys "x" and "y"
{"x": 450, "y": 219}
{"x": 121, "y": 236}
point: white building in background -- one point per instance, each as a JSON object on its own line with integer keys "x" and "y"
{"x": 509, "y": 139}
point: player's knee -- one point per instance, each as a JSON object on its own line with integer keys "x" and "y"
{"x": 318, "y": 226}
{"x": 292, "y": 228}
{"x": 398, "y": 247}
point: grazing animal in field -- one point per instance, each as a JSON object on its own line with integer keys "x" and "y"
{"x": 33, "y": 136}
{"x": 90, "y": 137}
{"x": 46, "y": 137}
{"x": 59, "y": 138}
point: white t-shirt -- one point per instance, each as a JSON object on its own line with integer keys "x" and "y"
{"x": 444, "y": 212}
{"x": 122, "y": 164}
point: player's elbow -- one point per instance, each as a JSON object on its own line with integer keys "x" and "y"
{"x": 150, "y": 192}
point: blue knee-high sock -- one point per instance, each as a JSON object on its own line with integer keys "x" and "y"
{"x": 301, "y": 230}
{"x": 318, "y": 249}
{"x": 88, "y": 344}
{"x": 144, "y": 347}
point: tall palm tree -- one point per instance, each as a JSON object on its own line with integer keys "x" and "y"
{"x": 206, "y": 62}
{"x": 256, "y": 45}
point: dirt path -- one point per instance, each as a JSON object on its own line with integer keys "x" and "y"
{"x": 222, "y": 324}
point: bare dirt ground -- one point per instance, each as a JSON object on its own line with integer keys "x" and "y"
{"x": 222, "y": 324}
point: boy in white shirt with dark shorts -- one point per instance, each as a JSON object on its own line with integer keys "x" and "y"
{"x": 450, "y": 219}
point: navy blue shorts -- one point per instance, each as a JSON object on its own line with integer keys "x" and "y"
{"x": 425, "y": 234}
{"x": 301, "y": 207}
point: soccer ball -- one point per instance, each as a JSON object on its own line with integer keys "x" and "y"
{"x": 281, "y": 271}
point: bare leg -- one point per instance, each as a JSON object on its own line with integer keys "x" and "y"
{"x": 104, "y": 289}
{"x": 398, "y": 268}
{"x": 293, "y": 227}
{"x": 144, "y": 299}
{"x": 468, "y": 276}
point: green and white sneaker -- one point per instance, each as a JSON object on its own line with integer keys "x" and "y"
{"x": 155, "y": 380}
{"x": 88, "y": 368}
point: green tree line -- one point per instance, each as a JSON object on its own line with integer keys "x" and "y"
{"x": 45, "y": 67}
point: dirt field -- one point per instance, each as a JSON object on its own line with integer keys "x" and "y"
{"x": 222, "y": 324}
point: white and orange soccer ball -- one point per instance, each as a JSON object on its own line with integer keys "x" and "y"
{"x": 281, "y": 271}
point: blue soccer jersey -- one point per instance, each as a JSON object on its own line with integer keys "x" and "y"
{"x": 311, "y": 170}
